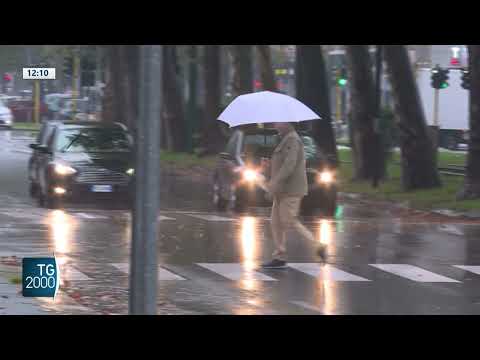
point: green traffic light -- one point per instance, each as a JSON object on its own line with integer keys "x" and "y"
{"x": 342, "y": 82}
{"x": 444, "y": 85}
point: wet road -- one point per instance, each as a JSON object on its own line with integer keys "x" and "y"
{"x": 379, "y": 262}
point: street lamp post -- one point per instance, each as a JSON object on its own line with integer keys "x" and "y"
{"x": 143, "y": 258}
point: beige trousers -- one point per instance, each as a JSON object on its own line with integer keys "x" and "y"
{"x": 285, "y": 217}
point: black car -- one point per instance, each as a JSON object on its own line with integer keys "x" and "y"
{"x": 75, "y": 160}
{"x": 238, "y": 167}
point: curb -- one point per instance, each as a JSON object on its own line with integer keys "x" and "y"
{"x": 406, "y": 206}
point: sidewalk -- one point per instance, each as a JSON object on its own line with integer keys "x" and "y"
{"x": 13, "y": 303}
{"x": 11, "y": 300}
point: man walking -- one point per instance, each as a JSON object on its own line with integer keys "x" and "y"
{"x": 287, "y": 185}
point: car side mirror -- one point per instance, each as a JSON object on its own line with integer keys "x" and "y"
{"x": 33, "y": 146}
{"x": 43, "y": 149}
{"x": 226, "y": 156}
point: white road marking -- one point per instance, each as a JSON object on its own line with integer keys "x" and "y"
{"x": 307, "y": 306}
{"x": 473, "y": 269}
{"x": 211, "y": 217}
{"x": 451, "y": 229}
{"x": 161, "y": 218}
{"x": 89, "y": 216}
{"x": 325, "y": 272}
{"x": 413, "y": 273}
{"x": 69, "y": 273}
{"x": 163, "y": 274}
{"x": 235, "y": 272}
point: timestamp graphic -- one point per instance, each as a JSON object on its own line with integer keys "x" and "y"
{"x": 39, "y": 74}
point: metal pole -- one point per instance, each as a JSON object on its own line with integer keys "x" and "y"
{"x": 143, "y": 258}
{"x": 338, "y": 96}
{"x": 75, "y": 94}
{"x": 36, "y": 110}
{"x": 435, "y": 130}
{"x": 379, "y": 80}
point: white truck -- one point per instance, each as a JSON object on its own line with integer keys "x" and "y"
{"x": 453, "y": 114}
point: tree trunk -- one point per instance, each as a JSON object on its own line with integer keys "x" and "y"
{"x": 362, "y": 112}
{"x": 266, "y": 68}
{"x": 173, "y": 101}
{"x": 111, "y": 104}
{"x": 243, "y": 69}
{"x": 213, "y": 140}
{"x": 471, "y": 187}
{"x": 419, "y": 168}
{"x": 312, "y": 89}
{"x": 125, "y": 79}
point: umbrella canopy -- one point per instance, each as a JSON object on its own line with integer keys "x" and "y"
{"x": 266, "y": 107}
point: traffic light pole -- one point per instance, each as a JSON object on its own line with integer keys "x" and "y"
{"x": 338, "y": 96}
{"x": 36, "y": 97}
{"x": 436, "y": 112}
{"x": 143, "y": 256}
{"x": 75, "y": 82}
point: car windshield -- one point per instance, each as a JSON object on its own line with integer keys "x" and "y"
{"x": 259, "y": 145}
{"x": 93, "y": 140}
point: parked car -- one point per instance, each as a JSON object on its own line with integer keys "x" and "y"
{"x": 75, "y": 160}
{"x": 22, "y": 110}
{"x": 6, "y": 117}
{"x": 238, "y": 167}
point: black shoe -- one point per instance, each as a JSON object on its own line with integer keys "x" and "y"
{"x": 322, "y": 252}
{"x": 275, "y": 264}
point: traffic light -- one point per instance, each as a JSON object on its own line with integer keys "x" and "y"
{"x": 68, "y": 66}
{"x": 440, "y": 78}
{"x": 342, "y": 78}
{"x": 7, "y": 77}
{"x": 465, "y": 79}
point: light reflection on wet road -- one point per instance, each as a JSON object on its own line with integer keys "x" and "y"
{"x": 214, "y": 263}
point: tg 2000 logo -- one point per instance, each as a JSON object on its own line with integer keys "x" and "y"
{"x": 40, "y": 277}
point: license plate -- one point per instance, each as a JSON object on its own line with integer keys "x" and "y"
{"x": 101, "y": 188}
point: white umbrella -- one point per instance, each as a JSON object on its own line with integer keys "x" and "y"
{"x": 266, "y": 107}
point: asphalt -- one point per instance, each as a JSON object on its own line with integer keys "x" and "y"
{"x": 380, "y": 261}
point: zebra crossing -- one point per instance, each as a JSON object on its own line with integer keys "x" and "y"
{"x": 316, "y": 271}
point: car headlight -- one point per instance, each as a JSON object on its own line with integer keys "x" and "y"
{"x": 250, "y": 175}
{"x": 130, "y": 171}
{"x": 325, "y": 177}
{"x": 64, "y": 170}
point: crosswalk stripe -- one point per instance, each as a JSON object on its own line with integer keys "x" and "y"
{"x": 89, "y": 216}
{"x": 473, "y": 269}
{"x": 211, "y": 217}
{"x": 413, "y": 273}
{"x": 161, "y": 218}
{"x": 233, "y": 271}
{"x": 307, "y": 306}
{"x": 325, "y": 272}
{"x": 69, "y": 273}
{"x": 163, "y": 274}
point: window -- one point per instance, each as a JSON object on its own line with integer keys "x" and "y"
{"x": 93, "y": 140}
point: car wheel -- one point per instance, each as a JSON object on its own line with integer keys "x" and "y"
{"x": 241, "y": 201}
{"x": 219, "y": 202}
{"x": 33, "y": 189}
{"x": 52, "y": 202}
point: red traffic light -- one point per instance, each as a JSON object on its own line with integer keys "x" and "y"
{"x": 7, "y": 77}
{"x": 454, "y": 61}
